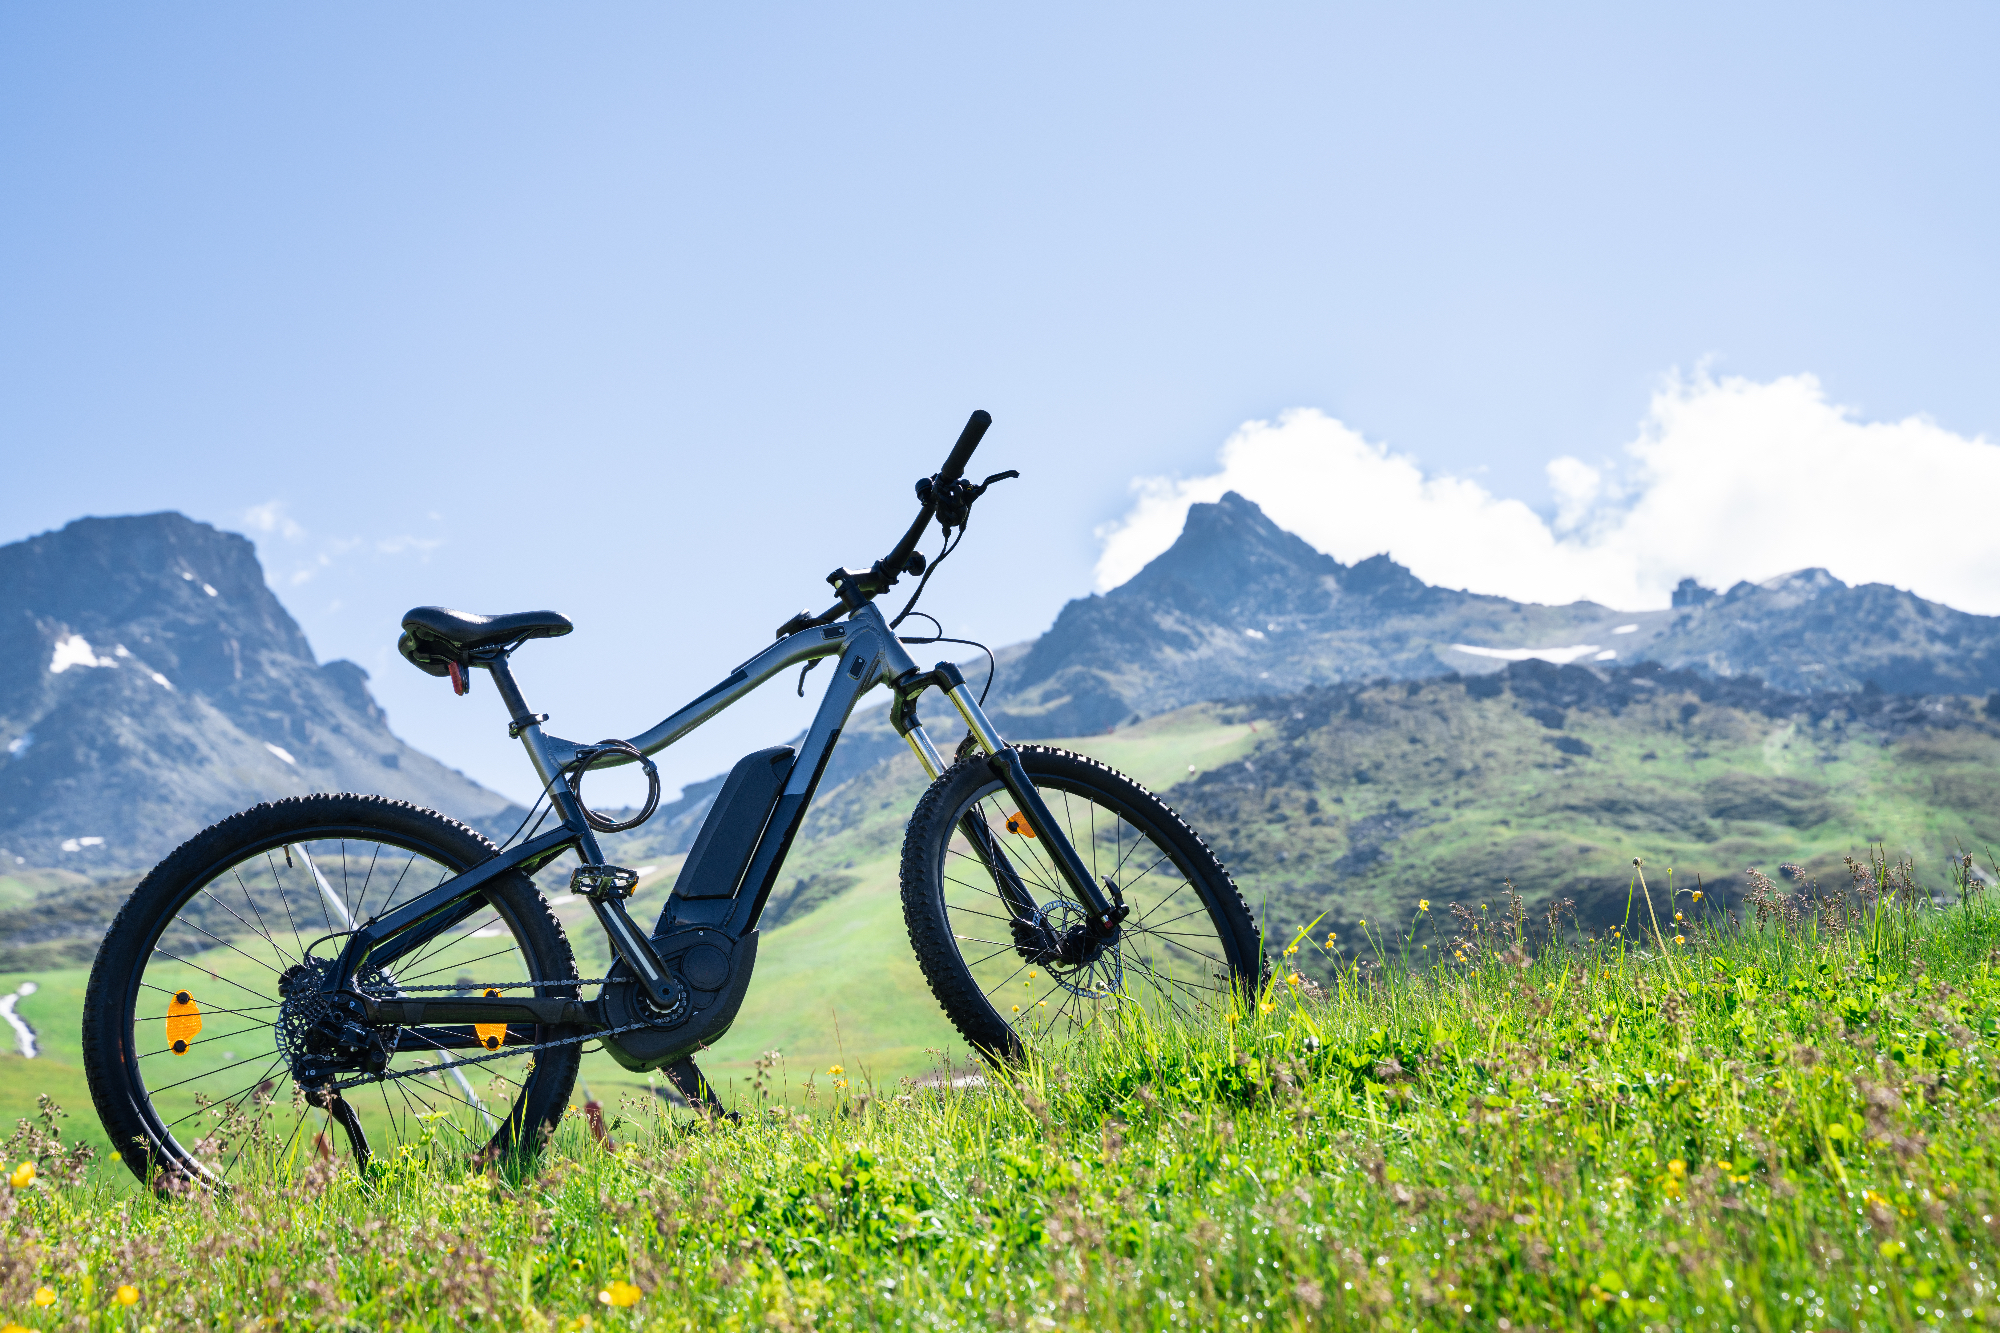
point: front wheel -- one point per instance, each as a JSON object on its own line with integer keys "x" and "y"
{"x": 987, "y": 909}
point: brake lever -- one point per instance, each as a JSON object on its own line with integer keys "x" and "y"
{"x": 954, "y": 502}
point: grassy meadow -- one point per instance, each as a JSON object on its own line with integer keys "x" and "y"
{"x": 1791, "y": 1121}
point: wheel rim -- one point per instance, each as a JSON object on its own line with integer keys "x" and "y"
{"x": 227, "y": 1103}
{"x": 1172, "y": 958}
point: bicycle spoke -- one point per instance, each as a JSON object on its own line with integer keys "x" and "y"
{"x": 245, "y": 1127}
{"x": 215, "y": 975}
{"x": 1165, "y": 959}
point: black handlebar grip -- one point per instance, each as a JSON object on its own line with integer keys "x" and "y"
{"x": 968, "y": 440}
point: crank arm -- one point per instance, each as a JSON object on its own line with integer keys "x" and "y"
{"x": 630, "y": 943}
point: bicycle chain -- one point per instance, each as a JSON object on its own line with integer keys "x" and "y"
{"x": 485, "y": 985}
{"x": 387, "y": 1076}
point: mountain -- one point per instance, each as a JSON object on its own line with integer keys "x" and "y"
{"x": 1238, "y": 607}
{"x": 151, "y": 683}
{"x": 1359, "y": 800}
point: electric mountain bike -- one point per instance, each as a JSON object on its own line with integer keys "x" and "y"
{"x": 330, "y": 974}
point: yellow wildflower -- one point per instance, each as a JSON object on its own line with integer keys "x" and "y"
{"x": 1680, "y": 939}
{"x": 117, "y": 1156}
{"x": 1266, "y": 1007}
{"x": 1677, "y": 1168}
{"x": 14, "y": 1328}
{"x": 127, "y": 1295}
{"x": 1017, "y": 1008}
{"x": 837, "y": 1070}
{"x": 1233, "y": 1016}
{"x": 1679, "y": 917}
{"x": 621, "y": 1294}
{"x": 1423, "y": 904}
{"x": 24, "y": 1176}
{"x": 1697, "y": 895}
{"x": 1294, "y": 979}
{"x": 45, "y": 1296}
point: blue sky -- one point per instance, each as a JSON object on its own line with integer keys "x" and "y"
{"x": 652, "y": 315}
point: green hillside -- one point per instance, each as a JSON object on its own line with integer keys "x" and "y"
{"x": 1354, "y": 801}
{"x": 1360, "y": 801}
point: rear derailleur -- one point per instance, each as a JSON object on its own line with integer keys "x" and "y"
{"x": 320, "y": 1034}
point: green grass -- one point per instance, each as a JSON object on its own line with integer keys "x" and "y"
{"x": 1775, "y": 1127}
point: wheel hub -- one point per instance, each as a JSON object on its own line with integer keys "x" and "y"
{"x": 1080, "y": 959}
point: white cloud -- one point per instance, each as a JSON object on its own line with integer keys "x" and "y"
{"x": 1728, "y": 480}
{"x": 270, "y": 517}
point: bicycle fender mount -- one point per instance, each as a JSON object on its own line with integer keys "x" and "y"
{"x": 716, "y": 972}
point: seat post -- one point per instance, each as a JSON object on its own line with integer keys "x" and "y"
{"x": 510, "y": 693}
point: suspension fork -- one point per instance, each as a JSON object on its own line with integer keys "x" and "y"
{"x": 1105, "y": 912}
{"x": 1020, "y": 902}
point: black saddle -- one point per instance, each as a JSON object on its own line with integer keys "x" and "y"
{"x": 434, "y": 637}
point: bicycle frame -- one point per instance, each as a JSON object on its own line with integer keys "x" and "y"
{"x": 870, "y": 654}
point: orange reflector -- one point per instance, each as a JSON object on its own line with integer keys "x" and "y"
{"x": 183, "y": 1022}
{"x": 491, "y": 1035}
{"x": 1018, "y": 823}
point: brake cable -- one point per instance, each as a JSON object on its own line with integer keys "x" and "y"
{"x": 992, "y": 662}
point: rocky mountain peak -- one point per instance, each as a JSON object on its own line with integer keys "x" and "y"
{"x": 1793, "y": 589}
{"x": 182, "y": 599}
{"x": 1231, "y": 560}
{"x": 1237, "y": 607}
{"x": 151, "y": 682}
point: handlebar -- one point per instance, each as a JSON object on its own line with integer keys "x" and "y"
{"x": 886, "y": 570}
{"x": 954, "y": 467}
{"x": 961, "y": 453}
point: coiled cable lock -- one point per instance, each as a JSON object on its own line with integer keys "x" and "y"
{"x": 588, "y": 755}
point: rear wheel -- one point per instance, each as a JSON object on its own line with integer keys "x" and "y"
{"x": 986, "y": 906}
{"x": 203, "y": 997}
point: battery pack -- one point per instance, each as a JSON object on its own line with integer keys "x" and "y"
{"x": 728, "y": 837}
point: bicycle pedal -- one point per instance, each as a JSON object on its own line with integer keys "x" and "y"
{"x": 603, "y": 883}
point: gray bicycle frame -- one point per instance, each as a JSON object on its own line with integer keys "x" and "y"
{"x": 870, "y": 654}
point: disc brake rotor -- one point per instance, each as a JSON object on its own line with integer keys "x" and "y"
{"x": 1080, "y": 960}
